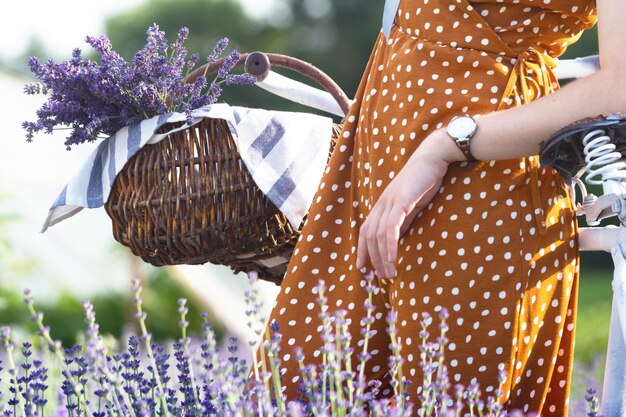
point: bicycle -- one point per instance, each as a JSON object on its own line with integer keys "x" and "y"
{"x": 596, "y": 148}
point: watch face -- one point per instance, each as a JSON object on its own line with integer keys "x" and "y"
{"x": 462, "y": 127}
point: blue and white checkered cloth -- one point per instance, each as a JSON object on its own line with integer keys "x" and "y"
{"x": 285, "y": 152}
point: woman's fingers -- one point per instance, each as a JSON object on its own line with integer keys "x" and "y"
{"x": 395, "y": 221}
{"x": 361, "y": 250}
{"x": 374, "y": 252}
{"x": 378, "y": 238}
{"x": 364, "y": 250}
{"x": 381, "y": 242}
{"x": 397, "y": 207}
{"x": 408, "y": 221}
{"x": 379, "y": 235}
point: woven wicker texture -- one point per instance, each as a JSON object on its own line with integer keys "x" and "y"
{"x": 190, "y": 200}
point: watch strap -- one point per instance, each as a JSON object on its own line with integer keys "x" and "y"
{"x": 464, "y": 146}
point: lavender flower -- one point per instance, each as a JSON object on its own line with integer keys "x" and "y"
{"x": 96, "y": 99}
{"x": 219, "y": 49}
{"x": 240, "y": 79}
{"x": 140, "y": 381}
{"x": 592, "y": 402}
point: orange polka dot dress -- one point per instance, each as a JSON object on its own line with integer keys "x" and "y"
{"x": 496, "y": 246}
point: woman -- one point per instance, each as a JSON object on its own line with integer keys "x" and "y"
{"x": 493, "y": 241}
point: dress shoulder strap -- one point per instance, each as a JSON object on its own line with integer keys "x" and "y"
{"x": 389, "y": 14}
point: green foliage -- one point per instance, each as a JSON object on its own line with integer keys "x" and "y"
{"x": 115, "y": 312}
{"x": 11, "y": 307}
{"x": 208, "y": 22}
{"x": 586, "y": 45}
{"x": 346, "y": 32}
{"x": 160, "y": 296}
{"x": 594, "y": 312}
{"x": 592, "y": 328}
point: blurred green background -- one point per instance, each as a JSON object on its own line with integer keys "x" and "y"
{"x": 334, "y": 35}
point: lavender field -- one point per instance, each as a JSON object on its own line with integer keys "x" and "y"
{"x": 101, "y": 376}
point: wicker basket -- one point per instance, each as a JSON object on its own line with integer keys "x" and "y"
{"x": 189, "y": 199}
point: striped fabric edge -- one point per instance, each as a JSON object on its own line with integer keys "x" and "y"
{"x": 285, "y": 152}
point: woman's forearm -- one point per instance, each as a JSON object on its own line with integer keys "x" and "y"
{"x": 518, "y": 131}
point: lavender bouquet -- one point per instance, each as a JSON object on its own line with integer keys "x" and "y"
{"x": 96, "y": 99}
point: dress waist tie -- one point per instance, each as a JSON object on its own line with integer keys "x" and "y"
{"x": 532, "y": 77}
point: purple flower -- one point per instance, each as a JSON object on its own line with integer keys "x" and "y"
{"x": 219, "y": 49}
{"x": 96, "y": 99}
{"x": 240, "y": 79}
{"x": 229, "y": 63}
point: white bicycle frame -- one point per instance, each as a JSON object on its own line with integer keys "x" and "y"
{"x": 609, "y": 238}
{"x": 606, "y": 167}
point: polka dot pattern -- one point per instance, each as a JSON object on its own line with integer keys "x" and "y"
{"x": 497, "y": 244}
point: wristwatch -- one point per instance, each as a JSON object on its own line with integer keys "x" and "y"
{"x": 461, "y": 129}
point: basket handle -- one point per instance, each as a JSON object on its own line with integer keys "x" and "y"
{"x": 259, "y": 65}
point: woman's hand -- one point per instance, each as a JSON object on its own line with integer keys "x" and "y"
{"x": 403, "y": 198}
